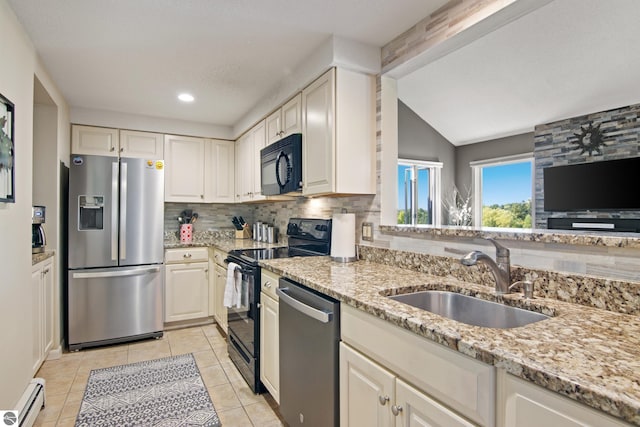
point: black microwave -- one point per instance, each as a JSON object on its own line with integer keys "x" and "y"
{"x": 281, "y": 166}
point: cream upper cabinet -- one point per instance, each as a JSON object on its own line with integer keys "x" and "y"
{"x": 244, "y": 168}
{"x": 269, "y": 334}
{"x": 523, "y": 404}
{"x": 184, "y": 169}
{"x": 285, "y": 120}
{"x": 338, "y": 124}
{"x": 100, "y": 141}
{"x": 219, "y": 171}
{"x": 248, "y": 182}
{"x": 42, "y": 288}
{"x": 94, "y": 140}
{"x": 144, "y": 145}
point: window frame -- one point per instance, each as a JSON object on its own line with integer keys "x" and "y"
{"x": 476, "y": 182}
{"x": 435, "y": 189}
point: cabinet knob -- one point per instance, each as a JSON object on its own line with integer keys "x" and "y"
{"x": 122, "y": 150}
{"x": 187, "y": 255}
{"x": 383, "y": 400}
{"x": 396, "y": 409}
{"x": 202, "y": 196}
{"x": 112, "y": 149}
{"x": 267, "y": 284}
{"x": 258, "y": 305}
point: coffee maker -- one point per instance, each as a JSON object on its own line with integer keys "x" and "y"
{"x": 38, "y": 238}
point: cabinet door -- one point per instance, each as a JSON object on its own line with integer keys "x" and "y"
{"x": 274, "y": 126}
{"x": 145, "y": 145}
{"x": 524, "y": 404}
{"x": 416, "y": 409}
{"x": 292, "y": 116}
{"x": 244, "y": 168}
{"x": 366, "y": 391}
{"x": 219, "y": 171}
{"x": 220, "y": 311}
{"x": 269, "y": 342}
{"x": 259, "y": 137}
{"x": 94, "y": 141}
{"x": 186, "y": 291}
{"x": 318, "y": 152}
{"x": 184, "y": 169}
{"x": 48, "y": 306}
{"x": 36, "y": 317}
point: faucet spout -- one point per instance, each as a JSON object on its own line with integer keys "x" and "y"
{"x": 500, "y": 268}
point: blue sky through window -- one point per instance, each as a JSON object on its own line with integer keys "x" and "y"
{"x": 504, "y": 184}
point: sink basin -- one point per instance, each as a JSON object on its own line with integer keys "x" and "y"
{"x": 470, "y": 310}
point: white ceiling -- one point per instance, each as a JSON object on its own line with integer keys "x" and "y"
{"x": 568, "y": 58}
{"x": 136, "y": 56}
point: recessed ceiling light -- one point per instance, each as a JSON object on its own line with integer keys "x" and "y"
{"x": 186, "y": 97}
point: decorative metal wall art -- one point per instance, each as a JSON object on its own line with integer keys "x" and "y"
{"x": 7, "y": 152}
{"x": 590, "y": 139}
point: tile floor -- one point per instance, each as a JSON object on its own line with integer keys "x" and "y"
{"x": 235, "y": 403}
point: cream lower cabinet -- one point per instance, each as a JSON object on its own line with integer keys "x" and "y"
{"x": 370, "y": 395}
{"x": 218, "y": 283}
{"x": 269, "y": 334}
{"x": 42, "y": 290}
{"x": 186, "y": 285}
{"x": 379, "y": 361}
{"x": 523, "y": 404}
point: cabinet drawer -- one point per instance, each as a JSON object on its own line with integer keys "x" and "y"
{"x": 462, "y": 383}
{"x": 269, "y": 283}
{"x": 183, "y": 255}
{"x": 219, "y": 257}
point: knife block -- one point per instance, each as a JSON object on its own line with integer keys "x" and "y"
{"x": 245, "y": 233}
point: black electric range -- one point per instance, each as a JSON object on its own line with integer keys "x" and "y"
{"x": 306, "y": 237}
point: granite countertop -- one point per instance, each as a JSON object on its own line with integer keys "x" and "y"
{"x": 588, "y": 354}
{"x": 225, "y": 244}
{"x": 36, "y": 258}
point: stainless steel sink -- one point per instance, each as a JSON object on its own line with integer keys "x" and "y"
{"x": 470, "y": 310}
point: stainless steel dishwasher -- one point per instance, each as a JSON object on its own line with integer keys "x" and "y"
{"x": 309, "y": 339}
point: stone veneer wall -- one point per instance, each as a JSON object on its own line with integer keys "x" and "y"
{"x": 613, "y": 295}
{"x": 554, "y": 147}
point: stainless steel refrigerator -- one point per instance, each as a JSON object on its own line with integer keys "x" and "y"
{"x": 115, "y": 248}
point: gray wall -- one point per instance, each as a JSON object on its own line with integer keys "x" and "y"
{"x": 418, "y": 140}
{"x": 501, "y": 147}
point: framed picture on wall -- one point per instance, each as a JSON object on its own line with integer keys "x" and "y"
{"x": 7, "y": 151}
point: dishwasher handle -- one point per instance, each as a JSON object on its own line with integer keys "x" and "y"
{"x": 319, "y": 315}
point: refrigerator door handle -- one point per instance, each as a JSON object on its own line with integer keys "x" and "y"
{"x": 114, "y": 211}
{"x": 123, "y": 210}
{"x": 120, "y": 273}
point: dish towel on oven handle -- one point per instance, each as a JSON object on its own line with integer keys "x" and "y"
{"x": 232, "y": 288}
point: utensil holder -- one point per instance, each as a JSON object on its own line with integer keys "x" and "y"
{"x": 186, "y": 233}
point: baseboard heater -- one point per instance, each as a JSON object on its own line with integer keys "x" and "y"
{"x": 595, "y": 224}
{"x": 31, "y": 402}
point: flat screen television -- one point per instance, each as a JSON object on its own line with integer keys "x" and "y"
{"x": 605, "y": 186}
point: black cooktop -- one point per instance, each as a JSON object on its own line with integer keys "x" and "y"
{"x": 307, "y": 237}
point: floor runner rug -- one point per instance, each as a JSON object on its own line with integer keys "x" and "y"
{"x": 164, "y": 392}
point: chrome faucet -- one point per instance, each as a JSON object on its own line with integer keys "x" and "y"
{"x": 500, "y": 268}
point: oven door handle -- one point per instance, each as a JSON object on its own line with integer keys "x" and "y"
{"x": 319, "y": 315}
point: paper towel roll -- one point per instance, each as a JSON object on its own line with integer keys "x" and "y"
{"x": 343, "y": 237}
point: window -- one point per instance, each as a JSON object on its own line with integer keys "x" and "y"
{"x": 418, "y": 192}
{"x": 502, "y": 190}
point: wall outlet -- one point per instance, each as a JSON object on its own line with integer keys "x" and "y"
{"x": 367, "y": 231}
